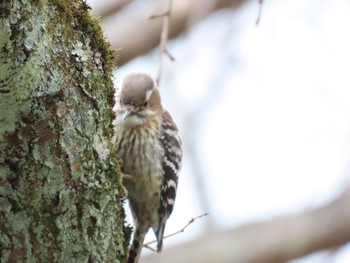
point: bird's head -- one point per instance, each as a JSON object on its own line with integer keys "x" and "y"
{"x": 139, "y": 99}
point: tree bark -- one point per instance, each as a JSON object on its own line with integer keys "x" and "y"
{"x": 59, "y": 183}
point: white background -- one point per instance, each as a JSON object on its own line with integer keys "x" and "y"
{"x": 266, "y": 109}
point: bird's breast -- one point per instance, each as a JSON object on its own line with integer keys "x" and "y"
{"x": 141, "y": 153}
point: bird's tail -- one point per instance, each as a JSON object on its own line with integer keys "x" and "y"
{"x": 136, "y": 246}
{"x": 159, "y": 235}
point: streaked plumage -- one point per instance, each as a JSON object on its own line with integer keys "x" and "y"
{"x": 148, "y": 143}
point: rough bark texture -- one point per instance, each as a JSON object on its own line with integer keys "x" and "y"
{"x": 59, "y": 185}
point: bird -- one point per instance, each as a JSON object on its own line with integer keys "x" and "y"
{"x": 148, "y": 143}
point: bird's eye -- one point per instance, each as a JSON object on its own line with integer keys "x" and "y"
{"x": 145, "y": 104}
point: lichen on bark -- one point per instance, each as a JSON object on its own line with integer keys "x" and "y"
{"x": 59, "y": 183}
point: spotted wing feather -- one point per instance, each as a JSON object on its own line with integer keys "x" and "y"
{"x": 171, "y": 163}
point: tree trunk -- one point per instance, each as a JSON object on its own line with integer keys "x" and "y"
{"x": 59, "y": 183}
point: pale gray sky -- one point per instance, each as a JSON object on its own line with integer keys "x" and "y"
{"x": 274, "y": 134}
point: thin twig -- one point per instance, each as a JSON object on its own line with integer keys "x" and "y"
{"x": 147, "y": 245}
{"x": 161, "y": 14}
{"x": 259, "y": 12}
{"x": 109, "y": 8}
{"x": 164, "y": 36}
{"x": 171, "y": 57}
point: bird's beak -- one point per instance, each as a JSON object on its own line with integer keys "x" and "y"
{"x": 127, "y": 114}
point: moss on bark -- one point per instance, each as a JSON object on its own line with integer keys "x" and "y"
{"x": 59, "y": 183}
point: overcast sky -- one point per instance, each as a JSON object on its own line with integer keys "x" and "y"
{"x": 273, "y": 135}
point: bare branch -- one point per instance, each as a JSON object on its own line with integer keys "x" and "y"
{"x": 259, "y": 12}
{"x": 109, "y": 7}
{"x": 164, "y": 37}
{"x": 166, "y": 52}
{"x": 126, "y": 34}
{"x": 275, "y": 240}
{"x": 146, "y": 245}
{"x": 149, "y": 247}
{"x": 162, "y": 14}
{"x": 189, "y": 222}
